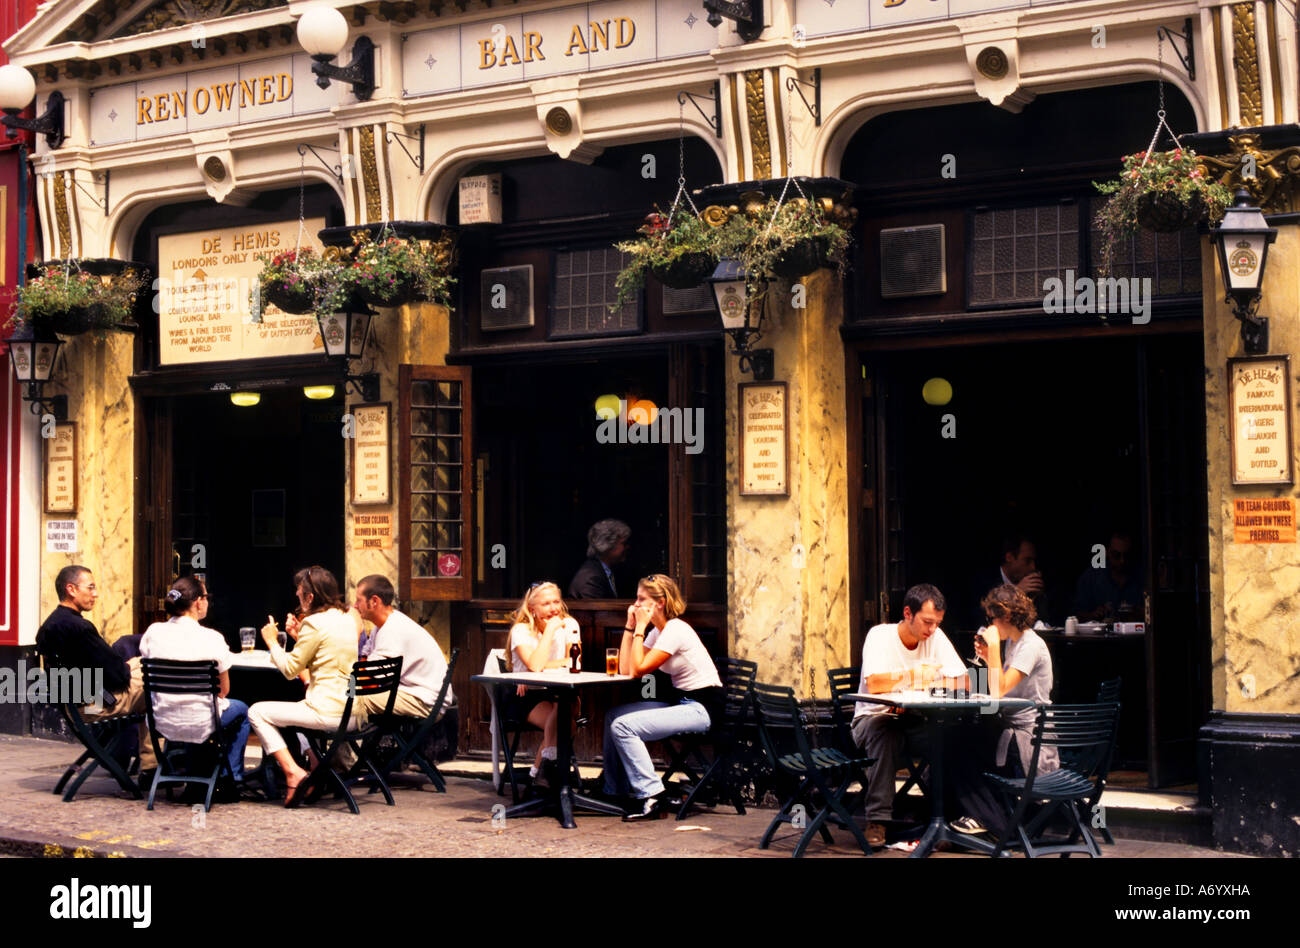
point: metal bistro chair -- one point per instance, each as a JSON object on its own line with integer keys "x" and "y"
{"x": 194, "y": 679}
{"x": 1107, "y": 692}
{"x": 102, "y": 740}
{"x": 823, "y": 774}
{"x": 1084, "y": 736}
{"x": 411, "y": 733}
{"x": 727, "y": 738}
{"x": 368, "y": 678}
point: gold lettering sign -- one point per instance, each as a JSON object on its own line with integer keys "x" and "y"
{"x": 371, "y": 481}
{"x": 205, "y": 280}
{"x": 61, "y": 470}
{"x": 1259, "y": 409}
{"x": 216, "y": 97}
{"x": 763, "y": 438}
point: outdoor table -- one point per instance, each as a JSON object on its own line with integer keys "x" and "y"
{"x": 254, "y": 678}
{"x": 563, "y": 685}
{"x": 935, "y": 709}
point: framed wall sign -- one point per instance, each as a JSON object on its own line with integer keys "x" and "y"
{"x": 1259, "y": 410}
{"x": 372, "y": 454}
{"x": 764, "y": 439}
{"x": 61, "y": 470}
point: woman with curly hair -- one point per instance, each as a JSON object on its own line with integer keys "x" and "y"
{"x": 1023, "y": 670}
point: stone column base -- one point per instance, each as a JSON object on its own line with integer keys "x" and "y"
{"x": 1248, "y": 765}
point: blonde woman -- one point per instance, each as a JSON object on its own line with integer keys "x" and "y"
{"x": 540, "y": 639}
{"x": 654, "y": 637}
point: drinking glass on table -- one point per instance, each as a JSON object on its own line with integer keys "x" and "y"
{"x": 247, "y": 638}
{"x": 611, "y": 661}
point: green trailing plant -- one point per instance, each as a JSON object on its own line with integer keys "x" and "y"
{"x": 677, "y": 248}
{"x": 292, "y": 281}
{"x": 1162, "y": 191}
{"x": 69, "y": 300}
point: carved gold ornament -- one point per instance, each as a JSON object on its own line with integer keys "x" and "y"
{"x": 1273, "y": 186}
{"x": 558, "y": 121}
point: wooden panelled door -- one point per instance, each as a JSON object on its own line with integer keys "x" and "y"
{"x": 157, "y": 562}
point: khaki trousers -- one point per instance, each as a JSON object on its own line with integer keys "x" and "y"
{"x": 131, "y": 701}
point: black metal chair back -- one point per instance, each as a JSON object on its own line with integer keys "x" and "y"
{"x": 372, "y": 677}
{"x": 1083, "y": 735}
{"x": 1109, "y": 690}
{"x": 843, "y": 681}
{"x": 728, "y": 766}
{"x": 411, "y": 733}
{"x": 197, "y": 679}
{"x": 823, "y": 774}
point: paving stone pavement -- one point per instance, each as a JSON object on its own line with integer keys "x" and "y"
{"x": 104, "y": 821}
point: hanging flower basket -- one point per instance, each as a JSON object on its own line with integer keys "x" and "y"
{"x": 1160, "y": 191}
{"x": 291, "y": 281}
{"x": 1166, "y": 213}
{"x": 687, "y": 271}
{"x": 77, "y": 296}
{"x": 803, "y": 257}
{"x": 390, "y": 264}
{"x": 387, "y": 289}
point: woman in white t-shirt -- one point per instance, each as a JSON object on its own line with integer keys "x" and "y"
{"x": 540, "y": 639}
{"x": 672, "y": 646}
{"x": 188, "y": 718}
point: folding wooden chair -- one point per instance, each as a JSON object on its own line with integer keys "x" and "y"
{"x": 197, "y": 679}
{"x": 823, "y": 774}
{"x": 368, "y": 678}
{"x": 1084, "y": 736}
{"x": 102, "y": 739}
{"x": 411, "y": 733}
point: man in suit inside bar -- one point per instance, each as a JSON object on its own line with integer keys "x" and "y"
{"x": 1019, "y": 567}
{"x": 606, "y": 547}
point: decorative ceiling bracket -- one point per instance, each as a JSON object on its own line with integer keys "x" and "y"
{"x": 815, "y": 107}
{"x": 747, "y": 14}
{"x": 995, "y": 67}
{"x": 715, "y": 122}
{"x": 336, "y": 170}
{"x": 1188, "y": 58}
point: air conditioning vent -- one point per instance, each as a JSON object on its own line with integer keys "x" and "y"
{"x": 912, "y": 261}
{"x": 698, "y": 299}
{"x": 506, "y": 298}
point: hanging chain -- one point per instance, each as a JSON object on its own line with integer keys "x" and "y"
{"x": 789, "y": 160}
{"x": 1161, "y": 113}
{"x": 302, "y": 184}
{"x": 681, "y": 166}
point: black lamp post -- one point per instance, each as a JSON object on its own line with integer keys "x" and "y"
{"x": 33, "y": 353}
{"x": 1242, "y": 240}
{"x": 735, "y": 308}
{"x": 345, "y": 335}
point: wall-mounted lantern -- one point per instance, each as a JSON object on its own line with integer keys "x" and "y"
{"x": 1242, "y": 239}
{"x": 736, "y": 310}
{"x": 323, "y": 32}
{"x": 345, "y": 335}
{"x": 32, "y": 353}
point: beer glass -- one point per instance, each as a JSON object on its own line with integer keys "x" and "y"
{"x": 247, "y": 638}
{"x": 611, "y": 661}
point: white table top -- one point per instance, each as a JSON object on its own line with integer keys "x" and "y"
{"x": 255, "y": 659}
{"x": 918, "y": 700}
{"x": 557, "y": 678}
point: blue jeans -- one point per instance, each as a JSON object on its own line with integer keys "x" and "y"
{"x": 629, "y": 771}
{"x": 234, "y": 724}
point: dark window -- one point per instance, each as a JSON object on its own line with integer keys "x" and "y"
{"x": 584, "y": 291}
{"x": 1014, "y": 250}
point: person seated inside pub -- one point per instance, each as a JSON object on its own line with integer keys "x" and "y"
{"x": 1019, "y": 567}
{"x": 1112, "y": 591}
{"x": 606, "y": 548}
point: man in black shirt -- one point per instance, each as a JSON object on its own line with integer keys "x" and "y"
{"x": 67, "y": 640}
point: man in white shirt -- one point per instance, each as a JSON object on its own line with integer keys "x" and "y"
{"x": 423, "y": 664}
{"x": 910, "y": 655}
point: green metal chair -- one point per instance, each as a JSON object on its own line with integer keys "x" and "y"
{"x": 728, "y": 767}
{"x": 102, "y": 739}
{"x": 822, "y": 774}
{"x": 1084, "y": 735}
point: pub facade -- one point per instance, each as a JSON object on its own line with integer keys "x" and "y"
{"x": 925, "y": 403}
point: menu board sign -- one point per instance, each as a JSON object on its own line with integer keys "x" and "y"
{"x": 1259, "y": 399}
{"x": 61, "y": 469}
{"x": 764, "y": 448}
{"x": 1263, "y": 519}
{"x": 204, "y": 283}
{"x": 370, "y": 455}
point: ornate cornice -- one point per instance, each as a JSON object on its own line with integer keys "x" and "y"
{"x": 1275, "y": 183}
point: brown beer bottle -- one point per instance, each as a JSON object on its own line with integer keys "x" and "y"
{"x": 575, "y": 658}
